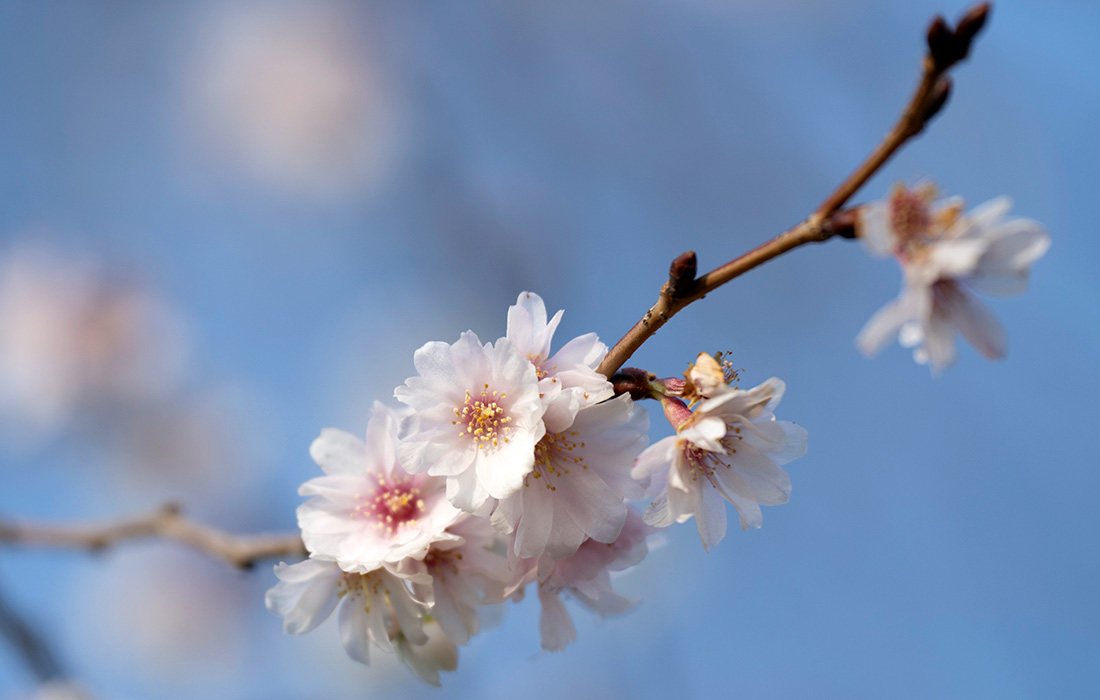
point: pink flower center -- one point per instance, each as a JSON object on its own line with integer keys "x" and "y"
{"x": 483, "y": 419}
{"x": 909, "y": 216}
{"x": 390, "y": 505}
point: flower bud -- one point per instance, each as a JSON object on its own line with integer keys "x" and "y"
{"x": 707, "y": 376}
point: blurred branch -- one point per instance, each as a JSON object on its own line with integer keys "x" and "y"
{"x": 25, "y": 641}
{"x": 946, "y": 47}
{"x": 167, "y": 523}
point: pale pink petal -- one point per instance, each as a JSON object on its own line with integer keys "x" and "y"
{"x": 737, "y": 491}
{"x": 769, "y": 484}
{"x": 584, "y": 350}
{"x": 502, "y": 475}
{"x": 337, "y": 452}
{"x": 594, "y": 506}
{"x": 710, "y": 516}
{"x": 885, "y": 324}
{"x": 971, "y": 318}
{"x": 565, "y": 537}
{"x": 658, "y": 513}
{"x": 307, "y": 597}
{"x": 433, "y": 361}
{"x": 555, "y": 624}
{"x": 654, "y": 458}
{"x": 355, "y": 629}
{"x": 874, "y": 229}
{"x": 405, "y": 610}
{"x": 536, "y": 521}
{"x": 982, "y": 217}
{"x": 426, "y": 660}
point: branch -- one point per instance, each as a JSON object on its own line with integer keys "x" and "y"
{"x": 31, "y": 647}
{"x": 946, "y": 47}
{"x": 168, "y": 523}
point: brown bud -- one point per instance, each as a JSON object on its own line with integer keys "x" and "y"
{"x": 938, "y": 98}
{"x": 681, "y": 273}
{"x": 633, "y": 381}
{"x": 972, "y": 22}
{"x": 942, "y": 45}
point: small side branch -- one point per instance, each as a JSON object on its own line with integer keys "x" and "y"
{"x": 946, "y": 47}
{"x": 28, "y": 644}
{"x": 241, "y": 551}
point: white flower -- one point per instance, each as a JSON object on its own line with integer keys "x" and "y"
{"x": 580, "y": 480}
{"x": 368, "y": 511}
{"x": 476, "y": 421}
{"x": 568, "y": 380}
{"x": 376, "y": 608}
{"x": 730, "y": 448}
{"x": 944, "y": 256}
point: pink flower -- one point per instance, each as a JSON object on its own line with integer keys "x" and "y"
{"x": 367, "y": 511}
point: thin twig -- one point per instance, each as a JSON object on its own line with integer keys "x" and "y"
{"x": 167, "y": 523}
{"x": 28, "y": 644}
{"x": 946, "y": 47}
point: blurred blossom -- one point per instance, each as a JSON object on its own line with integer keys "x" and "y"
{"x": 70, "y": 335}
{"x": 59, "y": 690}
{"x": 290, "y": 96}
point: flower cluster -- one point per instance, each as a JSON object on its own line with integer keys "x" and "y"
{"x": 509, "y": 466}
{"x": 945, "y": 256}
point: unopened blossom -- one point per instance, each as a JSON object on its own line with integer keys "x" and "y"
{"x": 708, "y": 376}
{"x": 375, "y": 608}
{"x": 579, "y": 482}
{"x": 945, "y": 256}
{"x": 368, "y": 511}
{"x": 568, "y": 380}
{"x": 585, "y": 577}
{"x": 476, "y": 419}
{"x": 729, "y": 449}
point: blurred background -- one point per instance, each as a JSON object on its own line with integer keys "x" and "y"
{"x": 227, "y": 225}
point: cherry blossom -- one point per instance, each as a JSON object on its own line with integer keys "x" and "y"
{"x": 477, "y": 417}
{"x": 730, "y": 448}
{"x": 944, "y": 257}
{"x": 580, "y": 480}
{"x": 375, "y": 608}
{"x": 367, "y": 511}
